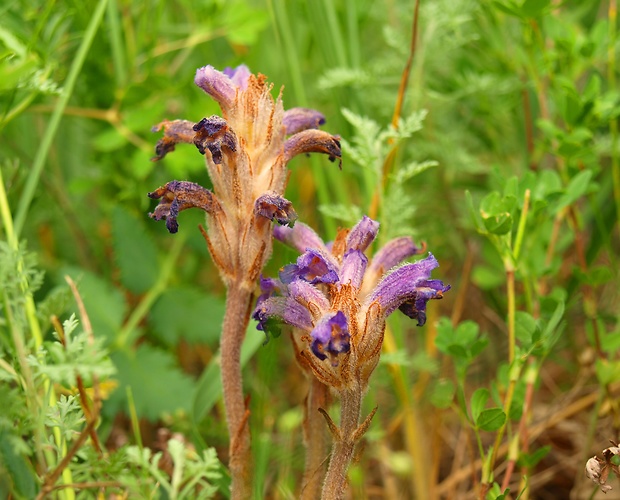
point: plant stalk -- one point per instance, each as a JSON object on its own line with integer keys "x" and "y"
{"x": 236, "y": 318}
{"x": 315, "y": 439}
{"x": 342, "y": 453}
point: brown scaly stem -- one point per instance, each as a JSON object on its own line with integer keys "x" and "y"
{"x": 345, "y": 439}
{"x": 316, "y": 440}
{"x": 236, "y": 318}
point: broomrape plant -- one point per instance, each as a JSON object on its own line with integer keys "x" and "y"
{"x": 246, "y": 152}
{"x": 338, "y": 300}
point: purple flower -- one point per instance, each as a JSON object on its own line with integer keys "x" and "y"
{"x": 330, "y": 336}
{"x": 345, "y": 298}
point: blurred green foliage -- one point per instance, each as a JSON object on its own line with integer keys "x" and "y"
{"x": 504, "y": 161}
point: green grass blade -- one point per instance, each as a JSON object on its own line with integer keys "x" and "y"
{"x": 52, "y": 128}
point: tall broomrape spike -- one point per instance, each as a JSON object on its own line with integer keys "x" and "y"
{"x": 338, "y": 302}
{"x": 246, "y": 151}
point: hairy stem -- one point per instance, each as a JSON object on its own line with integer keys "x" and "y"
{"x": 316, "y": 440}
{"x": 236, "y": 318}
{"x": 344, "y": 445}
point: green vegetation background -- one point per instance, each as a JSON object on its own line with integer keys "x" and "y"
{"x": 509, "y": 105}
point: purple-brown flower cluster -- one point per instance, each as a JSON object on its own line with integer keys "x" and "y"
{"x": 246, "y": 150}
{"x": 339, "y": 299}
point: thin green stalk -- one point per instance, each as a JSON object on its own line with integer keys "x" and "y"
{"x": 20, "y": 344}
{"x": 18, "y": 109}
{"x": 133, "y": 414}
{"x": 52, "y": 128}
{"x": 337, "y": 42}
{"x": 613, "y": 123}
{"x": 287, "y": 45}
{"x": 514, "y": 372}
{"x": 116, "y": 41}
{"x": 353, "y": 33}
{"x": 521, "y": 229}
{"x": 145, "y": 305}
{"x": 510, "y": 292}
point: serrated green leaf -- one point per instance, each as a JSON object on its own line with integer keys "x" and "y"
{"x": 478, "y": 401}
{"x": 180, "y": 313}
{"x": 134, "y": 250}
{"x": 491, "y": 419}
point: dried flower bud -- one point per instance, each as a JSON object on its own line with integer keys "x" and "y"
{"x": 212, "y": 133}
{"x": 597, "y": 469}
{"x": 175, "y": 132}
{"x": 177, "y": 196}
{"x": 276, "y": 208}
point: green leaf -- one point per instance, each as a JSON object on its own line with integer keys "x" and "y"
{"x": 242, "y": 23}
{"x": 532, "y": 459}
{"x": 478, "y": 401}
{"x": 475, "y": 214}
{"x": 77, "y": 355}
{"x": 509, "y": 7}
{"x": 491, "y": 419}
{"x": 159, "y": 387}
{"x": 534, "y": 8}
{"x": 134, "y": 250}
{"x": 109, "y": 140}
{"x": 525, "y": 326}
{"x": 610, "y": 342}
{"x": 552, "y": 331}
{"x": 498, "y": 224}
{"x": 487, "y": 277}
{"x": 180, "y": 312}
{"x": 21, "y": 477}
{"x": 442, "y": 394}
{"x": 575, "y": 190}
{"x": 496, "y": 212}
{"x": 105, "y": 304}
{"x": 607, "y": 372}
